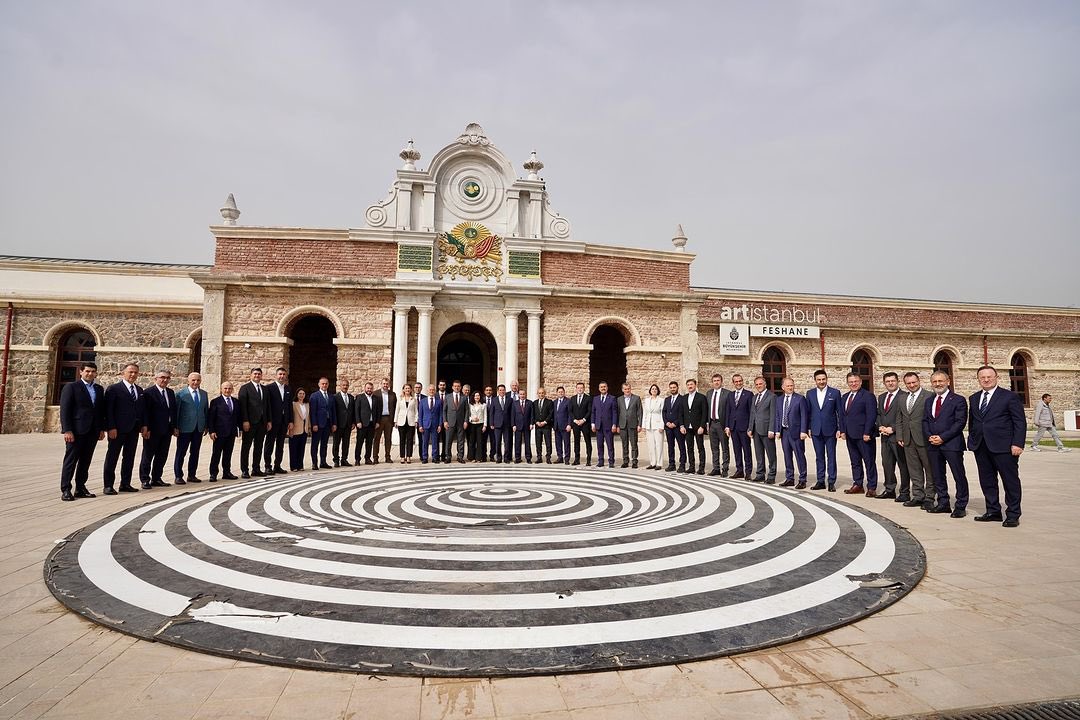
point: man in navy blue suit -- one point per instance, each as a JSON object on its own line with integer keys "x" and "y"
{"x": 605, "y": 421}
{"x": 521, "y": 423}
{"x": 223, "y": 425}
{"x": 159, "y": 427}
{"x": 82, "y": 420}
{"x": 562, "y": 426}
{"x": 280, "y": 397}
{"x": 824, "y": 405}
{"x": 498, "y": 421}
{"x": 324, "y": 420}
{"x": 736, "y": 425}
{"x": 124, "y": 405}
{"x": 996, "y": 435}
{"x": 672, "y": 420}
{"x": 791, "y": 422}
{"x": 858, "y": 427}
{"x": 944, "y": 417}
{"x": 429, "y": 424}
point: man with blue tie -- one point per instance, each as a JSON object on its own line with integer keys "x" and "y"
{"x": 672, "y": 420}
{"x": 521, "y": 424}
{"x": 192, "y": 416}
{"x": 604, "y": 425}
{"x": 944, "y": 417}
{"x": 429, "y": 424}
{"x": 223, "y": 425}
{"x": 791, "y": 422}
{"x": 736, "y": 425}
{"x": 562, "y": 426}
{"x": 996, "y": 435}
{"x": 124, "y": 405}
{"x": 859, "y": 429}
{"x": 324, "y": 420}
{"x": 159, "y": 426}
{"x": 82, "y": 421}
{"x": 824, "y": 405}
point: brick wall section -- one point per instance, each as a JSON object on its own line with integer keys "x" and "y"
{"x": 604, "y": 271}
{"x": 318, "y": 258}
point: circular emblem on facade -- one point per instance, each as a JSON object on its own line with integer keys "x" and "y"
{"x": 471, "y": 189}
{"x": 734, "y": 334}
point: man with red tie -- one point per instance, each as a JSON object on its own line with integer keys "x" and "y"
{"x": 736, "y": 425}
{"x": 716, "y": 419}
{"x": 605, "y": 422}
{"x": 996, "y": 436}
{"x": 892, "y": 454}
{"x": 857, "y": 427}
{"x": 944, "y": 417}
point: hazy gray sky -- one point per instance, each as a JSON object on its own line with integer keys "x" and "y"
{"x": 897, "y": 149}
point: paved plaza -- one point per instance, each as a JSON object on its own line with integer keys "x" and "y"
{"x": 995, "y": 621}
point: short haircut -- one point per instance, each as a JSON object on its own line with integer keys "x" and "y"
{"x": 692, "y": 380}
{"x": 324, "y": 378}
{"x": 890, "y": 374}
{"x": 500, "y": 385}
{"x": 853, "y": 374}
{"x": 256, "y": 369}
{"x": 281, "y": 369}
{"x": 560, "y": 388}
{"x": 736, "y": 375}
{"x": 986, "y": 367}
{"x": 131, "y": 364}
{"x": 1045, "y": 395}
{"x": 759, "y": 377}
{"x": 602, "y": 382}
{"x": 911, "y": 373}
{"x": 820, "y": 372}
{"x": 93, "y": 366}
{"x": 673, "y": 382}
{"x": 942, "y": 373}
{"x": 717, "y": 375}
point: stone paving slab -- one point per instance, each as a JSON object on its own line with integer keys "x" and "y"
{"x": 996, "y": 621}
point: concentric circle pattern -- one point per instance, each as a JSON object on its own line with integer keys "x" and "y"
{"x": 484, "y": 570}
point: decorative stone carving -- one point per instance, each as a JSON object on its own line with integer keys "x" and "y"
{"x": 473, "y": 135}
{"x": 410, "y": 155}
{"x": 680, "y": 239}
{"x": 533, "y": 166}
{"x": 229, "y": 210}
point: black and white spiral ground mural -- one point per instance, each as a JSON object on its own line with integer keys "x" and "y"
{"x": 484, "y": 570}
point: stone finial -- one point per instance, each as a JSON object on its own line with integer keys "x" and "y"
{"x": 473, "y": 135}
{"x": 410, "y": 155}
{"x": 679, "y": 241}
{"x": 229, "y": 211}
{"x": 533, "y": 166}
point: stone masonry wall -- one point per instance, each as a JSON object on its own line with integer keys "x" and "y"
{"x": 312, "y": 258}
{"x": 605, "y": 271}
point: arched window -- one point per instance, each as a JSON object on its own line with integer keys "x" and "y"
{"x": 863, "y": 366}
{"x": 774, "y": 368}
{"x": 943, "y": 362}
{"x": 1018, "y": 377}
{"x": 75, "y": 348}
{"x": 196, "y": 356}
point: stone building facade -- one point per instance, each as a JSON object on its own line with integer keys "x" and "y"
{"x": 466, "y": 271}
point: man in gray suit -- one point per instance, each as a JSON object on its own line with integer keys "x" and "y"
{"x": 455, "y": 411}
{"x": 192, "y": 418}
{"x": 761, "y": 420}
{"x": 717, "y": 414}
{"x": 888, "y": 411}
{"x": 910, "y": 437}
{"x": 629, "y": 425}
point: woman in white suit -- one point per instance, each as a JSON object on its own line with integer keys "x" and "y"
{"x": 405, "y": 422}
{"x": 652, "y": 420}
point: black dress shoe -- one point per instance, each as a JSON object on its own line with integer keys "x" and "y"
{"x": 194, "y": 479}
{"x": 633, "y": 465}
{"x": 108, "y": 491}
{"x": 958, "y": 513}
{"x": 800, "y": 486}
{"x": 179, "y": 481}
{"x": 128, "y": 488}
{"x": 84, "y": 494}
{"x": 669, "y": 468}
{"x": 788, "y": 483}
{"x": 701, "y": 470}
{"x": 940, "y": 509}
{"x": 927, "y": 505}
{"x": 901, "y": 498}
{"x": 145, "y": 486}
{"x": 66, "y": 496}
{"x": 818, "y": 486}
{"x": 1011, "y": 523}
{"x": 758, "y": 478}
{"x": 913, "y": 503}
{"x": 159, "y": 483}
{"x": 886, "y": 496}
{"x": 258, "y": 473}
{"x": 989, "y": 517}
{"x": 346, "y": 463}
{"x": 738, "y": 475}
{"x": 770, "y": 482}
{"x": 714, "y": 472}
{"x": 325, "y": 466}
{"x": 213, "y": 478}
{"x": 625, "y": 465}
{"x": 245, "y": 475}
{"x": 230, "y": 476}
{"x": 832, "y": 488}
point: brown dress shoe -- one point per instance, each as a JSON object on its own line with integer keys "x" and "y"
{"x": 854, "y": 490}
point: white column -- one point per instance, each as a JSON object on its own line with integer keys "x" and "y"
{"x": 401, "y": 346}
{"x": 510, "y": 356}
{"x": 423, "y": 346}
{"x": 532, "y": 362}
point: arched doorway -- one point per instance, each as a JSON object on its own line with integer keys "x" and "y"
{"x": 863, "y": 366}
{"x": 1018, "y": 378}
{"x": 467, "y": 352}
{"x": 607, "y": 359}
{"x": 774, "y": 368}
{"x": 75, "y": 348}
{"x": 313, "y": 353}
{"x": 943, "y": 362}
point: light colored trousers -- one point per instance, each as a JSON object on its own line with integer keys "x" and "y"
{"x": 1042, "y": 431}
{"x": 655, "y": 441}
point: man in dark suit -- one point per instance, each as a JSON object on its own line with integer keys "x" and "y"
{"x": 384, "y": 424}
{"x": 192, "y": 417}
{"x": 254, "y": 401}
{"x": 455, "y": 417}
{"x": 324, "y": 422}
{"x": 124, "y": 405}
{"x": 892, "y": 454}
{"x": 672, "y": 421}
{"x": 996, "y": 434}
{"x": 824, "y": 405}
{"x": 791, "y": 421}
{"x": 82, "y": 421}
{"x": 281, "y": 399}
{"x": 521, "y": 424}
{"x": 858, "y": 418}
{"x": 543, "y": 419}
{"x": 944, "y": 417}
{"x": 605, "y": 418}
{"x": 367, "y": 408}
{"x": 580, "y": 413}
{"x": 761, "y": 422}
{"x": 429, "y": 424}
{"x": 159, "y": 427}
{"x": 488, "y": 452}
{"x": 224, "y": 425}
{"x": 737, "y": 427}
{"x": 693, "y": 421}
{"x": 562, "y": 425}
{"x": 912, "y": 439}
{"x": 630, "y": 415}
{"x": 718, "y": 398}
{"x": 498, "y": 420}
{"x": 344, "y": 407}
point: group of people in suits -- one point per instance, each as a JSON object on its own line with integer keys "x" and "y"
{"x": 921, "y": 432}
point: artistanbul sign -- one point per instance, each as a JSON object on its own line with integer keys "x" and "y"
{"x": 791, "y": 314}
